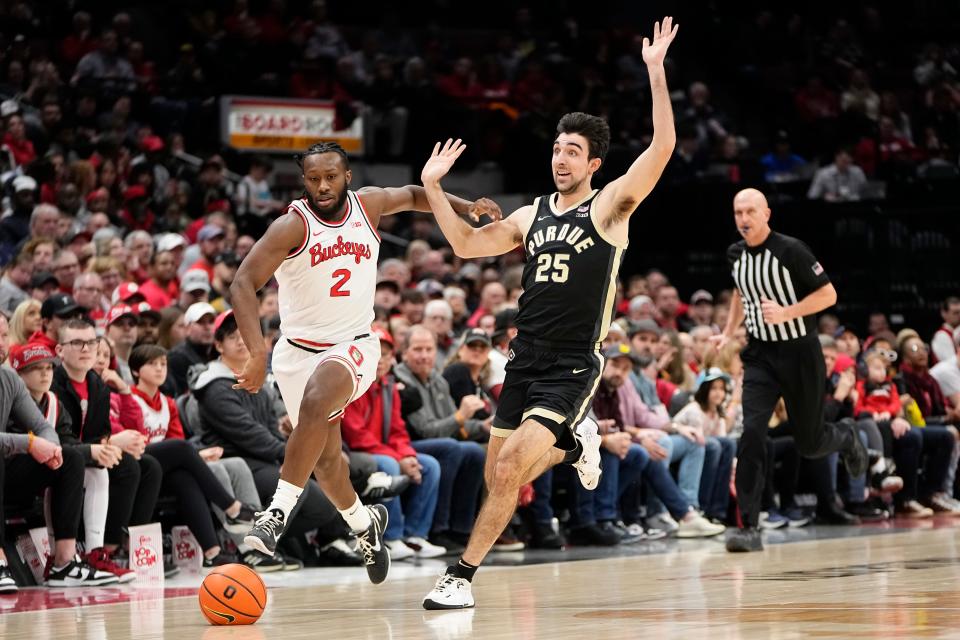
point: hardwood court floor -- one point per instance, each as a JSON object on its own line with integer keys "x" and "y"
{"x": 893, "y": 584}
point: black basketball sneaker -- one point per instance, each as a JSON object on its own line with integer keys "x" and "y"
{"x": 371, "y": 546}
{"x": 266, "y": 531}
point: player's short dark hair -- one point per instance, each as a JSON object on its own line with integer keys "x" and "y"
{"x": 323, "y": 147}
{"x": 144, "y": 355}
{"x": 948, "y": 302}
{"x": 594, "y": 129}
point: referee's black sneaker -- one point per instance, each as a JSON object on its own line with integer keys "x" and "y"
{"x": 855, "y": 458}
{"x": 743, "y": 540}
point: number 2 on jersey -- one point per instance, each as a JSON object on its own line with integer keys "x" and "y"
{"x": 557, "y": 262}
{"x": 336, "y": 291}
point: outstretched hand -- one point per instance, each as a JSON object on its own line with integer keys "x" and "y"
{"x": 487, "y": 207}
{"x": 441, "y": 160}
{"x": 654, "y": 52}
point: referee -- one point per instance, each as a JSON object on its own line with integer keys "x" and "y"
{"x": 780, "y": 287}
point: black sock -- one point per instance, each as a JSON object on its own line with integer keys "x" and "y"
{"x": 462, "y": 569}
{"x": 574, "y": 454}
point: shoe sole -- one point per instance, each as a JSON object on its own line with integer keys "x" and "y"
{"x": 256, "y": 543}
{"x": 775, "y": 526}
{"x": 698, "y": 534}
{"x": 61, "y": 584}
{"x": 260, "y": 569}
{"x": 592, "y": 459}
{"x": 127, "y": 578}
{"x": 430, "y": 605}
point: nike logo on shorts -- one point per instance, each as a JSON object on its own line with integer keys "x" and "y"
{"x": 576, "y": 371}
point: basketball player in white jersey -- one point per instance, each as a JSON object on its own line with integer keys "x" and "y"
{"x": 324, "y": 252}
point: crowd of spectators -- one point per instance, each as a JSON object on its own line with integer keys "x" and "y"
{"x": 118, "y": 254}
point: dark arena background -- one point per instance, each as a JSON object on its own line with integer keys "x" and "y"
{"x": 145, "y": 147}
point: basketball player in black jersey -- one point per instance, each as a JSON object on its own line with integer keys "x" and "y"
{"x": 574, "y": 240}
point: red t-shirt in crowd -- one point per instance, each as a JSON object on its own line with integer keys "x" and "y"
{"x": 159, "y": 297}
{"x": 84, "y": 394}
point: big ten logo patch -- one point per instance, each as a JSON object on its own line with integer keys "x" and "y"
{"x": 355, "y": 355}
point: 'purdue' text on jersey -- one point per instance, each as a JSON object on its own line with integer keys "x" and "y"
{"x": 570, "y": 277}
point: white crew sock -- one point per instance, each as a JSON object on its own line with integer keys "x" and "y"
{"x": 96, "y": 497}
{"x": 356, "y": 516}
{"x": 285, "y": 498}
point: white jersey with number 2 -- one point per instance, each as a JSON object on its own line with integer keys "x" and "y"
{"x": 327, "y": 283}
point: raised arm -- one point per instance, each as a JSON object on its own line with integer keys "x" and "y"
{"x": 283, "y": 236}
{"x": 492, "y": 239}
{"x": 386, "y": 201}
{"x": 621, "y": 197}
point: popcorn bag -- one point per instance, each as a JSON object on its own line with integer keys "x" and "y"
{"x": 187, "y": 554}
{"x": 146, "y": 554}
{"x": 28, "y": 553}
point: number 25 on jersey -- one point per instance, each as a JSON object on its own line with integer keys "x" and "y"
{"x": 553, "y": 267}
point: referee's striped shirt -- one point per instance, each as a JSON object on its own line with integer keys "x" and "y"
{"x": 782, "y": 269}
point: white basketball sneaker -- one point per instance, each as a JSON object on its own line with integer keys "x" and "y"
{"x": 450, "y": 592}
{"x": 587, "y": 434}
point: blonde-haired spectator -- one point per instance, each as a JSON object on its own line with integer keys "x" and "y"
{"x": 25, "y": 321}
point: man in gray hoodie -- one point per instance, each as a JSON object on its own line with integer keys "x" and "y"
{"x": 247, "y": 425}
{"x": 440, "y": 429}
{"x": 32, "y": 459}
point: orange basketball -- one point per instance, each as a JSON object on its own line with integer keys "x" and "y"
{"x": 233, "y": 594}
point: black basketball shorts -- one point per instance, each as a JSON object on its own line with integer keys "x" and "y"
{"x": 553, "y": 387}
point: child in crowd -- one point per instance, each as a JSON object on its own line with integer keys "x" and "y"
{"x": 185, "y": 474}
{"x": 877, "y": 398}
{"x": 706, "y": 413}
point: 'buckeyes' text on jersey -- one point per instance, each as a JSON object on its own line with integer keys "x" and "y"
{"x": 328, "y": 281}
{"x": 570, "y": 277}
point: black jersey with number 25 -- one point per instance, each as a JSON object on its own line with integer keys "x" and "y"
{"x": 570, "y": 277}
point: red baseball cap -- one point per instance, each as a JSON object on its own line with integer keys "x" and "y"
{"x": 24, "y": 355}
{"x": 152, "y": 143}
{"x": 97, "y": 193}
{"x": 135, "y": 191}
{"x": 125, "y": 292}
{"x": 118, "y": 311}
{"x": 221, "y": 318}
{"x": 384, "y": 336}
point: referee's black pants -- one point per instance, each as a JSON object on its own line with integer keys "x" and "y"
{"x": 794, "y": 370}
